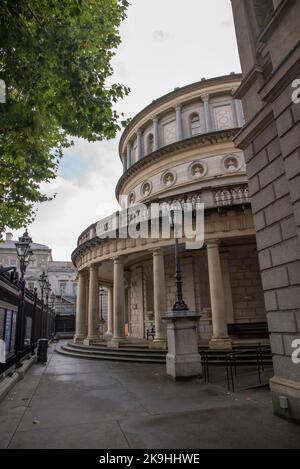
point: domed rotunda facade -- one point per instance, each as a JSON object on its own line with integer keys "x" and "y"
{"x": 177, "y": 149}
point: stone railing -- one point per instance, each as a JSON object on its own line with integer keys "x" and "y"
{"x": 231, "y": 196}
{"x": 105, "y": 227}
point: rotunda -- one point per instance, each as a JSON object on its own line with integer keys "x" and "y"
{"x": 177, "y": 149}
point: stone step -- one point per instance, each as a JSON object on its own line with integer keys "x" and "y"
{"x": 117, "y": 352}
{"x": 143, "y": 354}
{"x": 109, "y": 356}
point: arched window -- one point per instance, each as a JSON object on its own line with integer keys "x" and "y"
{"x": 195, "y": 124}
{"x": 150, "y": 144}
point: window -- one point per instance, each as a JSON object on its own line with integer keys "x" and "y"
{"x": 74, "y": 288}
{"x": 30, "y": 286}
{"x": 13, "y": 262}
{"x": 32, "y": 262}
{"x": 150, "y": 144}
{"x": 62, "y": 288}
{"x": 195, "y": 124}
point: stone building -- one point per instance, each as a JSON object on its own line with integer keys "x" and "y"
{"x": 179, "y": 148}
{"x": 61, "y": 275}
{"x": 268, "y": 36}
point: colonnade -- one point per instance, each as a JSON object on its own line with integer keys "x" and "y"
{"x": 88, "y": 301}
{"x": 209, "y": 127}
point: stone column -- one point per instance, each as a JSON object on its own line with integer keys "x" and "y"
{"x": 207, "y": 113}
{"x": 118, "y": 303}
{"x": 139, "y": 144}
{"x": 155, "y": 134}
{"x": 220, "y": 339}
{"x": 128, "y": 149}
{"x": 80, "y": 308}
{"x": 93, "y": 313}
{"x": 179, "y": 128}
{"x": 159, "y": 291}
{"x": 110, "y": 312}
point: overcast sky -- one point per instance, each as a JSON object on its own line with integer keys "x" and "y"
{"x": 166, "y": 44}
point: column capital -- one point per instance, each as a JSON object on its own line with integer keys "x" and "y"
{"x": 178, "y": 107}
{"x": 118, "y": 260}
{"x": 157, "y": 251}
{"x": 205, "y": 97}
{"x": 155, "y": 118}
{"x": 210, "y": 243}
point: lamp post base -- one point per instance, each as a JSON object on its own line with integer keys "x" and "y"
{"x": 183, "y": 359}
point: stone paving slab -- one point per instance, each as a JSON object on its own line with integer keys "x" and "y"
{"x": 77, "y": 403}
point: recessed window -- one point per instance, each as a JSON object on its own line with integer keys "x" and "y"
{"x": 150, "y": 144}
{"x": 195, "y": 124}
{"x": 62, "y": 288}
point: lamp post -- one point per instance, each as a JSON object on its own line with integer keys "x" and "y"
{"x": 179, "y": 304}
{"x": 47, "y": 322}
{"x": 24, "y": 252}
{"x": 42, "y": 283}
{"x": 33, "y": 326}
{"x": 52, "y": 304}
{"x": 183, "y": 359}
{"x": 102, "y": 291}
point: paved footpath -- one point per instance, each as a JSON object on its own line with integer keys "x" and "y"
{"x": 78, "y": 403}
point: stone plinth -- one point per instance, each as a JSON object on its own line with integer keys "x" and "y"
{"x": 183, "y": 358}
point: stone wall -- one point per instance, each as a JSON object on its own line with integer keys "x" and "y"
{"x": 274, "y": 182}
{"x": 242, "y": 286}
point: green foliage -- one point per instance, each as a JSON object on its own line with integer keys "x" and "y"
{"x": 55, "y": 58}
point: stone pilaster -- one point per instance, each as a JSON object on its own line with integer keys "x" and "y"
{"x": 155, "y": 134}
{"x": 139, "y": 145}
{"x": 128, "y": 150}
{"x": 179, "y": 127}
{"x": 93, "y": 312}
{"x": 80, "y": 308}
{"x": 207, "y": 113}
{"x": 220, "y": 339}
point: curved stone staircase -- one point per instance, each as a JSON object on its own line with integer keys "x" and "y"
{"x": 141, "y": 353}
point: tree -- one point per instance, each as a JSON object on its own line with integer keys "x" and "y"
{"x": 55, "y": 59}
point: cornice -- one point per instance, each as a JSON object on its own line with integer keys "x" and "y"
{"x": 201, "y": 140}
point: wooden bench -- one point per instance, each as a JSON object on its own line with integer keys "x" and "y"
{"x": 249, "y": 330}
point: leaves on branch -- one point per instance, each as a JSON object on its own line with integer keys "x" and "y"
{"x": 55, "y": 58}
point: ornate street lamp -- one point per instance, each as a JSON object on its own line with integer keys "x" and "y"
{"x": 24, "y": 252}
{"x": 179, "y": 304}
{"x": 52, "y": 306}
{"x": 48, "y": 290}
{"x": 23, "y": 247}
{"x": 102, "y": 293}
{"x": 42, "y": 283}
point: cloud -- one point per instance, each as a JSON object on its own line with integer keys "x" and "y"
{"x": 159, "y": 35}
{"x": 81, "y": 199}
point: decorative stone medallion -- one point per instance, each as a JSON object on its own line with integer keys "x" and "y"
{"x": 146, "y": 188}
{"x": 131, "y": 198}
{"x": 197, "y": 169}
{"x": 168, "y": 178}
{"x": 231, "y": 163}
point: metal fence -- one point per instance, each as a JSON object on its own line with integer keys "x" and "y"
{"x": 24, "y": 319}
